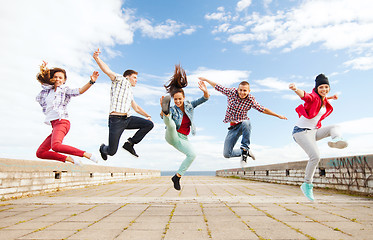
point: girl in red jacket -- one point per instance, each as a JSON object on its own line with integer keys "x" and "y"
{"x": 308, "y": 129}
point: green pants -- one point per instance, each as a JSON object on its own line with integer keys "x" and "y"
{"x": 180, "y": 142}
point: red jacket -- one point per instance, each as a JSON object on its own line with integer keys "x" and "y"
{"x": 311, "y": 107}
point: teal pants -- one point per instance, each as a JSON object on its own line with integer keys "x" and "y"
{"x": 180, "y": 142}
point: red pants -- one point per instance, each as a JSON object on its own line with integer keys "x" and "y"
{"x": 54, "y": 142}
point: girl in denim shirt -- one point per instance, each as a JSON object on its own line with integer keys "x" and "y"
{"x": 54, "y": 99}
{"x": 179, "y": 119}
{"x": 308, "y": 129}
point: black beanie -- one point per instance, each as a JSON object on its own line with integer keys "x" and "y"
{"x": 321, "y": 79}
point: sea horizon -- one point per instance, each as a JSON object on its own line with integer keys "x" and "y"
{"x": 189, "y": 173}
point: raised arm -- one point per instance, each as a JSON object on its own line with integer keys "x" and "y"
{"x": 213, "y": 84}
{"x": 299, "y": 92}
{"x": 103, "y": 66}
{"x": 203, "y": 88}
{"x": 94, "y": 77}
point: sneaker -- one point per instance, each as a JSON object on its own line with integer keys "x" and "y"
{"x": 129, "y": 147}
{"x": 307, "y": 190}
{"x": 103, "y": 155}
{"x": 176, "y": 180}
{"x": 337, "y": 142}
{"x": 244, "y": 155}
{"x": 166, "y": 105}
{"x": 250, "y": 154}
{"x": 77, "y": 162}
{"x": 94, "y": 158}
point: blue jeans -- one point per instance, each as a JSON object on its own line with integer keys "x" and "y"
{"x": 231, "y": 139}
{"x": 117, "y": 124}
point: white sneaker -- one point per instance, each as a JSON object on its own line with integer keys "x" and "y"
{"x": 78, "y": 162}
{"x": 94, "y": 159}
{"x": 251, "y": 154}
{"x": 338, "y": 142}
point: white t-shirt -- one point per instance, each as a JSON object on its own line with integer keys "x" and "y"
{"x": 50, "y": 113}
{"x": 310, "y": 123}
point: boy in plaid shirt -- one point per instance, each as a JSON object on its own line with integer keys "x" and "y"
{"x": 240, "y": 101}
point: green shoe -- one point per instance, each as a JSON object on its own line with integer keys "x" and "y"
{"x": 307, "y": 190}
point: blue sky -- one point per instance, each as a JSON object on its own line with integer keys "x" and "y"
{"x": 268, "y": 43}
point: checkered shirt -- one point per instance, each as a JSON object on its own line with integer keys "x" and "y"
{"x": 121, "y": 95}
{"x": 62, "y": 98}
{"x": 237, "y": 108}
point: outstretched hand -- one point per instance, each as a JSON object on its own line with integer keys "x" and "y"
{"x": 202, "y": 86}
{"x": 96, "y": 53}
{"x": 94, "y": 76}
{"x": 334, "y": 97}
{"x": 292, "y": 86}
{"x": 282, "y": 117}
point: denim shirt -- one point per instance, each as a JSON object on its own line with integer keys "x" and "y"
{"x": 177, "y": 114}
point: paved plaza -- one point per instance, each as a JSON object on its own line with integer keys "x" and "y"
{"x": 205, "y": 208}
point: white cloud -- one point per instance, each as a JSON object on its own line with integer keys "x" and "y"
{"x": 224, "y": 77}
{"x": 361, "y": 63}
{"x": 334, "y": 24}
{"x": 273, "y": 84}
{"x": 242, "y": 5}
{"x": 161, "y": 31}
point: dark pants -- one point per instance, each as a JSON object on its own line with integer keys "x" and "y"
{"x": 117, "y": 124}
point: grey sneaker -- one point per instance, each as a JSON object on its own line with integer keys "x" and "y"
{"x": 338, "y": 143}
{"x": 166, "y": 105}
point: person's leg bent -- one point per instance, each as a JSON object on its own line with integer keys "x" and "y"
{"x": 246, "y": 132}
{"x": 44, "y": 152}
{"x": 231, "y": 140}
{"x": 171, "y": 134}
{"x": 60, "y": 129}
{"x": 117, "y": 124}
{"x": 307, "y": 141}
{"x": 142, "y": 124}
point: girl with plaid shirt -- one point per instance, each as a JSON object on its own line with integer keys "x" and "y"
{"x": 53, "y": 99}
{"x": 240, "y": 101}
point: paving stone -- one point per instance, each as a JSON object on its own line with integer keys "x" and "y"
{"x": 206, "y": 208}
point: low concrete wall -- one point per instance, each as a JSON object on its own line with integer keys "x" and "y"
{"x": 25, "y": 177}
{"x": 352, "y": 173}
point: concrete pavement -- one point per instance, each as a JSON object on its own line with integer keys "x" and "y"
{"x": 205, "y": 208}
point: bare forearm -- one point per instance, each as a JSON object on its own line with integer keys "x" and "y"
{"x": 84, "y": 88}
{"x": 213, "y": 84}
{"x": 105, "y": 68}
{"x": 269, "y": 112}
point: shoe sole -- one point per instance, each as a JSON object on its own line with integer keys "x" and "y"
{"x": 251, "y": 155}
{"x": 166, "y": 104}
{"x": 339, "y": 144}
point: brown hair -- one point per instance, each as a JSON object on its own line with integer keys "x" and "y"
{"x": 177, "y": 81}
{"x": 44, "y": 76}
{"x": 129, "y": 72}
{"x": 244, "y": 83}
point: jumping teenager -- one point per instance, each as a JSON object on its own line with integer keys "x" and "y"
{"x": 308, "y": 129}
{"x": 240, "y": 101}
{"x": 121, "y": 101}
{"x": 53, "y": 99}
{"x": 179, "y": 119}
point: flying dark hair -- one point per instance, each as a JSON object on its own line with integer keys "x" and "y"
{"x": 177, "y": 81}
